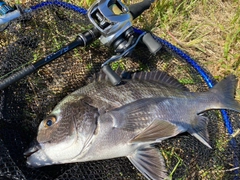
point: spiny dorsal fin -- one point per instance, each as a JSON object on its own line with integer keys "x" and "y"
{"x": 153, "y": 76}
{"x": 159, "y": 77}
{"x": 101, "y": 76}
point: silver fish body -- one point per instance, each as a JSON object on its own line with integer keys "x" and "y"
{"x": 101, "y": 121}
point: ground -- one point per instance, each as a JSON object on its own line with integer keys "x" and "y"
{"x": 209, "y": 30}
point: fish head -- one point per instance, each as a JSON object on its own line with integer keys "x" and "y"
{"x": 63, "y": 134}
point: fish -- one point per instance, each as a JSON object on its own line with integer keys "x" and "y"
{"x": 101, "y": 121}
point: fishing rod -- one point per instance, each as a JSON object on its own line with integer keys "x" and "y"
{"x": 112, "y": 25}
{"x": 8, "y": 14}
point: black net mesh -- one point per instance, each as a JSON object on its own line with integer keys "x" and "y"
{"x": 24, "y": 104}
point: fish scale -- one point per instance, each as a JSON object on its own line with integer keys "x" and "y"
{"x": 101, "y": 121}
{"x": 110, "y": 96}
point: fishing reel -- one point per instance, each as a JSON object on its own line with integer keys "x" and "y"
{"x": 113, "y": 19}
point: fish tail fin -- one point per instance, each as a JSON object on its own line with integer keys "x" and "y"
{"x": 226, "y": 90}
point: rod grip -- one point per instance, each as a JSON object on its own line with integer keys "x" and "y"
{"x": 16, "y": 76}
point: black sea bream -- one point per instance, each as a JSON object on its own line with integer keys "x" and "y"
{"x": 102, "y": 121}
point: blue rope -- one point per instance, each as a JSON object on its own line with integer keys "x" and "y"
{"x": 60, "y": 4}
{"x": 208, "y": 80}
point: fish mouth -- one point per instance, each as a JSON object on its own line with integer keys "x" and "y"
{"x": 35, "y": 157}
{"x": 35, "y": 146}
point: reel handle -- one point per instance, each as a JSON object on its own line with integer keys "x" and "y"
{"x": 138, "y": 8}
{"x": 152, "y": 45}
{"x": 116, "y": 30}
{"x": 114, "y": 78}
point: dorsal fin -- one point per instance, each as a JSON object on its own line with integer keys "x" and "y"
{"x": 153, "y": 76}
{"x": 159, "y": 77}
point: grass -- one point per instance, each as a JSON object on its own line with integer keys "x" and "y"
{"x": 209, "y": 30}
{"x": 169, "y": 155}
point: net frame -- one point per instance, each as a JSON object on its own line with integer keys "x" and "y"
{"x": 167, "y": 46}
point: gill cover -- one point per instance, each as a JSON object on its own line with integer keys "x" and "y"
{"x": 63, "y": 135}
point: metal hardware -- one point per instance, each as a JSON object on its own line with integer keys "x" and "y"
{"x": 111, "y": 17}
{"x": 4, "y": 8}
{"x": 126, "y": 52}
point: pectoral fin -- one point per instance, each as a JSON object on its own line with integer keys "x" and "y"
{"x": 136, "y": 115}
{"x": 199, "y": 130}
{"x": 158, "y": 131}
{"x": 149, "y": 161}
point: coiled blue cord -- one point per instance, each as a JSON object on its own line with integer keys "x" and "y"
{"x": 208, "y": 80}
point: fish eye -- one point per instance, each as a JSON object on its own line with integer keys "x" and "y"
{"x": 50, "y": 121}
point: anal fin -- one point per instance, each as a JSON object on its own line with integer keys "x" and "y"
{"x": 149, "y": 161}
{"x": 199, "y": 130}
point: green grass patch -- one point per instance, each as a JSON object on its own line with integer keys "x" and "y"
{"x": 169, "y": 155}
